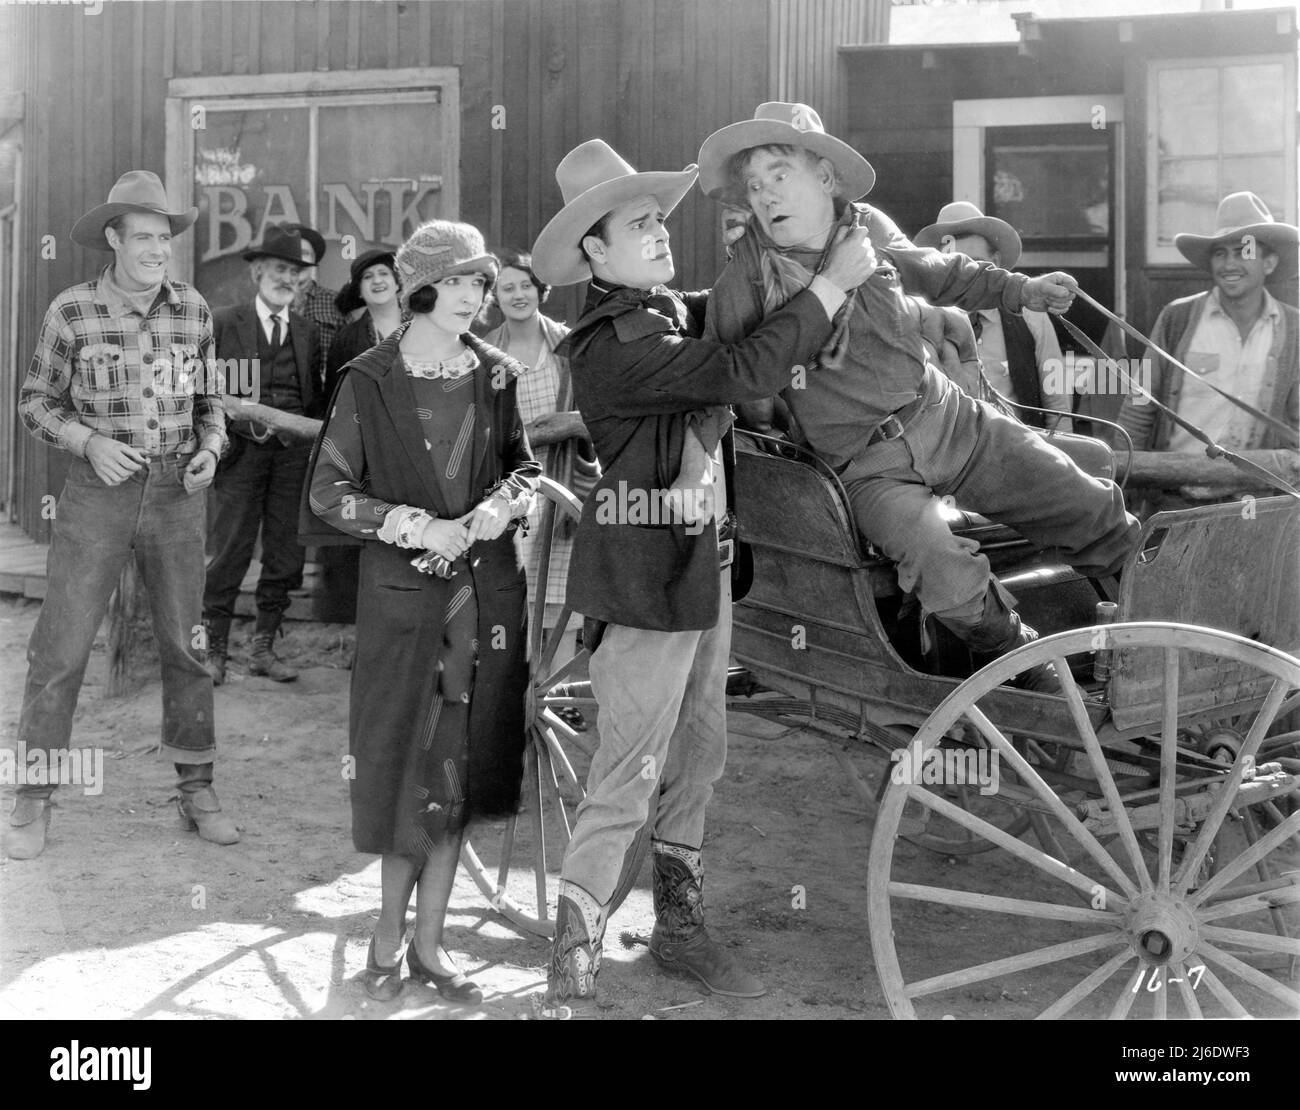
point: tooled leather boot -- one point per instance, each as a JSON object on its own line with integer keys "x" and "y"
{"x": 575, "y": 953}
{"x": 263, "y": 661}
{"x": 680, "y": 942}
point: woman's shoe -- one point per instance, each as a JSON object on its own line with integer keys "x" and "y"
{"x": 383, "y": 984}
{"x": 454, "y": 988}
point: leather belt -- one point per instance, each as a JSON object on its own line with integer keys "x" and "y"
{"x": 895, "y": 424}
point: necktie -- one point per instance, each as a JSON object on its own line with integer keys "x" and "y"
{"x": 976, "y": 322}
{"x": 275, "y": 332}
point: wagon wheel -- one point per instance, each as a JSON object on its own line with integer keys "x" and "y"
{"x": 516, "y": 862}
{"x": 1173, "y": 917}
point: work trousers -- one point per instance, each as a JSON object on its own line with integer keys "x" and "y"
{"x": 663, "y": 728}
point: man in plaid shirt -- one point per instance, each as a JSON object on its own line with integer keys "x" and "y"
{"x": 124, "y": 379}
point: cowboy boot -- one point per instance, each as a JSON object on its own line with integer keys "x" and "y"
{"x": 218, "y": 630}
{"x": 680, "y": 942}
{"x": 998, "y": 631}
{"x": 29, "y": 821}
{"x": 200, "y": 811}
{"x": 575, "y": 953}
{"x": 264, "y": 661}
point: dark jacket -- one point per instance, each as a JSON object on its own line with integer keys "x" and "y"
{"x": 639, "y": 370}
{"x": 353, "y": 339}
{"x": 236, "y": 329}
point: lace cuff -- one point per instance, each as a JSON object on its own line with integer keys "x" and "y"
{"x": 404, "y": 525}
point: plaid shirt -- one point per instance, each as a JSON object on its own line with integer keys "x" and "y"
{"x": 151, "y": 382}
{"x": 318, "y": 304}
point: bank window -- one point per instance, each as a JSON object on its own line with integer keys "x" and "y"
{"x": 363, "y": 169}
{"x": 1218, "y": 127}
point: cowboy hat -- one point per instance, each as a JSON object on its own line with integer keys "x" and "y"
{"x": 349, "y": 297}
{"x": 963, "y": 218}
{"x": 1241, "y": 215}
{"x": 278, "y": 242}
{"x": 777, "y": 123}
{"x": 314, "y": 237}
{"x": 135, "y": 191}
{"x": 593, "y": 181}
{"x": 438, "y": 249}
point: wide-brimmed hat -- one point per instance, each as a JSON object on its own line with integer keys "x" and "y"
{"x": 963, "y": 218}
{"x": 278, "y": 242}
{"x": 593, "y": 181}
{"x": 314, "y": 237}
{"x": 436, "y": 250}
{"x": 778, "y": 123}
{"x": 135, "y": 191}
{"x": 349, "y": 297}
{"x": 1239, "y": 215}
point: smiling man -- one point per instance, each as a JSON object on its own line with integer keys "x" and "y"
{"x": 123, "y": 380}
{"x": 1236, "y": 335}
{"x": 649, "y": 391}
{"x": 878, "y": 409}
{"x": 260, "y": 481}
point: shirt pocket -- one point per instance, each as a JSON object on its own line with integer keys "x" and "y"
{"x": 1203, "y": 362}
{"x": 101, "y": 371}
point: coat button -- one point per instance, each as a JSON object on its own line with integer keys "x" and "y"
{"x": 151, "y": 423}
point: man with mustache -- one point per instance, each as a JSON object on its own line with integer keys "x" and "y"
{"x": 260, "y": 481}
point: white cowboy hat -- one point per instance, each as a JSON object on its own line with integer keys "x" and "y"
{"x": 963, "y": 218}
{"x": 593, "y": 181}
{"x": 135, "y": 191}
{"x": 1239, "y": 215}
{"x": 777, "y": 123}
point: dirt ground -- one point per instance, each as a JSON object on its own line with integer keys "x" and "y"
{"x": 126, "y": 916}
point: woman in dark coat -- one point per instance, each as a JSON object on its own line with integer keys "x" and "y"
{"x": 424, "y": 455}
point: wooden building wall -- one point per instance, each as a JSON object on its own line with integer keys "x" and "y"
{"x": 652, "y": 77}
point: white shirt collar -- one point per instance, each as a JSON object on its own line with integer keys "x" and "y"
{"x": 1271, "y": 309}
{"x": 264, "y": 314}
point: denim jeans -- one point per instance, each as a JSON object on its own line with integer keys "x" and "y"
{"x": 97, "y": 528}
{"x": 663, "y": 727}
{"x": 990, "y": 464}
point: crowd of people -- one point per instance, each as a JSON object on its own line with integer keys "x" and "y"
{"x": 827, "y": 325}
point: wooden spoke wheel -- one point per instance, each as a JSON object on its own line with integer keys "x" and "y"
{"x": 1207, "y": 914}
{"x": 516, "y": 862}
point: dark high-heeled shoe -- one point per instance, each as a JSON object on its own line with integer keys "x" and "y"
{"x": 383, "y": 984}
{"x": 454, "y": 988}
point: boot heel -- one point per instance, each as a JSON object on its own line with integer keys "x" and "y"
{"x": 188, "y": 824}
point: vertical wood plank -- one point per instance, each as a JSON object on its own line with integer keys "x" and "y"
{"x": 354, "y": 34}
{"x": 255, "y": 38}
{"x": 227, "y": 37}
{"x": 169, "y": 39}
{"x": 323, "y": 34}
{"x": 532, "y": 170}
{"x": 424, "y": 34}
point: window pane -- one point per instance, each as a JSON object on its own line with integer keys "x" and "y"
{"x": 380, "y": 176}
{"x": 250, "y": 169}
{"x": 1187, "y": 199}
{"x": 1263, "y": 176}
{"x": 1188, "y": 111}
{"x": 1052, "y": 190}
{"x": 1252, "y": 108}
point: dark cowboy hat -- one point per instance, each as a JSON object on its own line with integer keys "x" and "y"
{"x": 349, "y": 297}
{"x": 963, "y": 218}
{"x": 278, "y": 242}
{"x": 135, "y": 191}
{"x": 1243, "y": 215}
{"x": 314, "y": 237}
